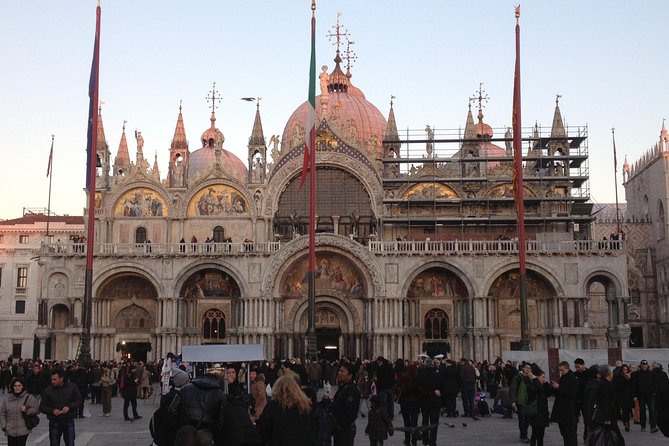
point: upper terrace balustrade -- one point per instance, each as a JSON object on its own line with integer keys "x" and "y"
{"x": 428, "y": 247}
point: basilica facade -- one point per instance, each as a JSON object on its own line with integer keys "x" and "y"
{"x": 416, "y": 242}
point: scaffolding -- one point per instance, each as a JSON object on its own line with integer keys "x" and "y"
{"x": 451, "y": 184}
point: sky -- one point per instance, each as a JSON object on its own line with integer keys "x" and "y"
{"x": 607, "y": 59}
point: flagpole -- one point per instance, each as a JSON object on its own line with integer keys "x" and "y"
{"x": 615, "y": 178}
{"x": 311, "y": 335}
{"x": 49, "y": 173}
{"x": 85, "y": 343}
{"x": 518, "y": 193}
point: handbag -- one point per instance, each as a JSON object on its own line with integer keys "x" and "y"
{"x": 32, "y": 421}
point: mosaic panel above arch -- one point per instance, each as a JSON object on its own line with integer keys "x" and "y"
{"x": 429, "y": 191}
{"x": 128, "y": 287}
{"x": 133, "y": 318}
{"x": 436, "y": 282}
{"x": 506, "y": 191}
{"x": 141, "y": 202}
{"x": 217, "y": 199}
{"x": 333, "y": 272}
{"x": 210, "y": 283}
{"x": 507, "y": 285}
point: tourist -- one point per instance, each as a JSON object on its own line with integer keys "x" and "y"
{"x": 564, "y": 412}
{"x": 538, "y": 391}
{"x": 429, "y": 391}
{"x": 642, "y": 385}
{"x": 608, "y": 411}
{"x": 344, "y": 408}
{"x": 200, "y": 404}
{"x": 60, "y": 402}
{"x": 287, "y": 419}
{"x": 409, "y": 400}
{"x": 519, "y": 399}
{"x": 379, "y": 424}
{"x": 14, "y": 406}
{"x": 106, "y": 382}
{"x": 622, "y": 381}
{"x": 128, "y": 386}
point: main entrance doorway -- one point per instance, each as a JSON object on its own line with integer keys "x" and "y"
{"x": 327, "y": 343}
{"x": 135, "y": 351}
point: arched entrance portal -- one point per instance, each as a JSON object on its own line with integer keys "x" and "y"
{"x": 328, "y": 333}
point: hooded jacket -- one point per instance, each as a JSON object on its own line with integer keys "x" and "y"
{"x": 203, "y": 401}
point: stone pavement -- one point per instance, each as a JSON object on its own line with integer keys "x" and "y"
{"x": 114, "y": 431}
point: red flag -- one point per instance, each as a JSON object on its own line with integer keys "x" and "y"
{"x": 48, "y": 168}
{"x": 309, "y": 149}
{"x": 518, "y": 153}
{"x": 93, "y": 84}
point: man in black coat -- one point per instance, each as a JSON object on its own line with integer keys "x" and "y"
{"x": 564, "y": 408}
{"x": 429, "y": 391}
{"x": 385, "y": 380}
{"x": 60, "y": 402}
{"x": 608, "y": 410}
{"x": 345, "y": 406}
{"x": 200, "y": 403}
{"x": 642, "y": 385}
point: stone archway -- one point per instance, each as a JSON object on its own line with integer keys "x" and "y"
{"x": 542, "y": 302}
{"x": 126, "y": 306}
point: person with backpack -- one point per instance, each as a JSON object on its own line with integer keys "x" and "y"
{"x": 162, "y": 429}
{"x": 518, "y": 393}
{"x": 379, "y": 424}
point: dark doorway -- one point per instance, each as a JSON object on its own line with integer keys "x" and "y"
{"x": 135, "y": 351}
{"x": 327, "y": 343}
{"x": 433, "y": 349}
{"x": 636, "y": 337}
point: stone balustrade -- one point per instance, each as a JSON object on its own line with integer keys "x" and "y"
{"x": 161, "y": 249}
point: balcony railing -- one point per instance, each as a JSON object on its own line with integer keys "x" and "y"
{"x": 494, "y": 247}
{"x": 477, "y": 247}
{"x": 161, "y": 249}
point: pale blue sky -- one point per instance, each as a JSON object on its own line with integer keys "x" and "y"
{"x": 606, "y": 58}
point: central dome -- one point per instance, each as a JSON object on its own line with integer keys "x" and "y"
{"x": 347, "y": 112}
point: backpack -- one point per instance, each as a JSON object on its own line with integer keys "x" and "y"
{"x": 161, "y": 428}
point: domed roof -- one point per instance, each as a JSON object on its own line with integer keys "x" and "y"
{"x": 203, "y": 159}
{"x": 347, "y": 112}
{"x": 483, "y": 130}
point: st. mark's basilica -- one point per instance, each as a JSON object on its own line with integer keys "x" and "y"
{"x": 416, "y": 240}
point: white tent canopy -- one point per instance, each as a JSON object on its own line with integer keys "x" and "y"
{"x": 222, "y": 353}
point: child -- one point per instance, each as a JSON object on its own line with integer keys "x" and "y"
{"x": 379, "y": 425}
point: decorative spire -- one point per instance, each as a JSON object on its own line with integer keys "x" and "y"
{"x": 179, "y": 140}
{"x": 154, "y": 171}
{"x": 470, "y": 127}
{"x": 257, "y": 136}
{"x": 101, "y": 139}
{"x": 122, "y": 160}
{"x": 557, "y": 130}
{"x": 391, "y": 128}
{"x": 664, "y": 136}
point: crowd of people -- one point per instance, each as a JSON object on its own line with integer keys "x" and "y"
{"x": 318, "y": 402}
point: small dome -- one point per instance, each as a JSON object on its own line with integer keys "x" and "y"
{"x": 212, "y": 134}
{"x": 483, "y": 130}
{"x": 203, "y": 159}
